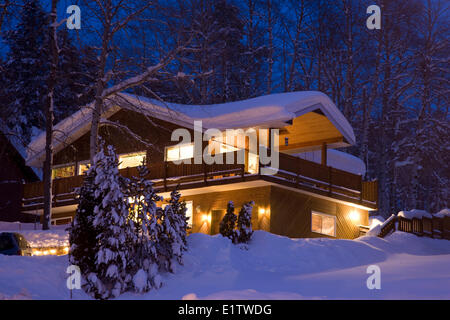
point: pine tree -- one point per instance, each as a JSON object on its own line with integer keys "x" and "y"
{"x": 146, "y": 232}
{"x": 180, "y": 222}
{"x": 244, "y": 231}
{"x": 172, "y": 239}
{"x": 26, "y": 71}
{"x": 110, "y": 277}
{"x": 228, "y": 223}
{"x": 82, "y": 233}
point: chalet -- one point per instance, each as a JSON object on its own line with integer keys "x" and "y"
{"x": 316, "y": 191}
{"x": 13, "y": 173}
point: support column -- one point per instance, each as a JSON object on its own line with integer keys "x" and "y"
{"x": 324, "y": 154}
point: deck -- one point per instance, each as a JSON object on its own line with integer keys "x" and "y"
{"x": 293, "y": 172}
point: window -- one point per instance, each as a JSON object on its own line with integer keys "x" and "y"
{"x": 190, "y": 208}
{"x": 179, "y": 152}
{"x": 63, "y": 171}
{"x": 131, "y": 159}
{"x": 323, "y": 223}
{"x": 222, "y": 147}
{"x": 61, "y": 221}
{"x": 253, "y": 163}
{"x": 83, "y": 167}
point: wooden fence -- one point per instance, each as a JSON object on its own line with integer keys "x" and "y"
{"x": 435, "y": 227}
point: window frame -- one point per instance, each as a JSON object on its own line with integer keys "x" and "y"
{"x": 327, "y": 215}
{"x": 130, "y": 154}
{"x": 70, "y": 164}
{"x": 178, "y": 146}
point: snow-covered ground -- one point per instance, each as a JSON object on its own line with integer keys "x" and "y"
{"x": 272, "y": 267}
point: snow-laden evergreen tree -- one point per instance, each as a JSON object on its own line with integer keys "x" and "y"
{"x": 146, "y": 232}
{"x": 172, "y": 239}
{"x": 244, "y": 231}
{"x": 26, "y": 70}
{"x": 180, "y": 222}
{"x": 82, "y": 234}
{"x": 115, "y": 235}
{"x": 228, "y": 223}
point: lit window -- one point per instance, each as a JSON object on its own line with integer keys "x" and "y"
{"x": 252, "y": 163}
{"x": 83, "y": 167}
{"x": 179, "y": 152}
{"x": 63, "y": 172}
{"x": 131, "y": 159}
{"x": 323, "y": 223}
{"x": 189, "y": 212}
{"x": 222, "y": 147}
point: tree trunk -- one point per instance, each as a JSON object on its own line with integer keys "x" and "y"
{"x": 49, "y": 121}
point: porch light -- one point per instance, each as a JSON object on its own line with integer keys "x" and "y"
{"x": 206, "y": 218}
{"x": 354, "y": 216}
{"x": 261, "y": 211}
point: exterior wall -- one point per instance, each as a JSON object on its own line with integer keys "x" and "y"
{"x": 286, "y": 212}
{"x": 215, "y": 204}
{"x": 13, "y": 173}
{"x": 159, "y": 137}
{"x": 290, "y": 215}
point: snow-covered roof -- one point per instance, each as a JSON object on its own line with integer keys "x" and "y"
{"x": 17, "y": 143}
{"x": 336, "y": 159}
{"x": 266, "y": 111}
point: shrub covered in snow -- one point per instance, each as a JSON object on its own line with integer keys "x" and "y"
{"x": 228, "y": 223}
{"x": 144, "y": 220}
{"x": 238, "y": 229}
{"x": 172, "y": 239}
{"x": 244, "y": 231}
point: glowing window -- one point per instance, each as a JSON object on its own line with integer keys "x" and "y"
{"x": 83, "y": 167}
{"x": 179, "y": 152}
{"x": 131, "y": 159}
{"x": 323, "y": 224}
{"x": 63, "y": 172}
{"x": 252, "y": 163}
{"x": 222, "y": 147}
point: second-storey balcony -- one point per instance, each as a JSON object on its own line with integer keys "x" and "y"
{"x": 293, "y": 172}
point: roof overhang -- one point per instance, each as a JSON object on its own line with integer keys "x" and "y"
{"x": 271, "y": 111}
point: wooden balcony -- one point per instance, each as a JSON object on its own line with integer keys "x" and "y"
{"x": 293, "y": 172}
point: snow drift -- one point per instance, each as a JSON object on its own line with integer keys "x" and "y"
{"x": 270, "y": 267}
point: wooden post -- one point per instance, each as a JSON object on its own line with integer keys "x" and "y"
{"x": 330, "y": 183}
{"x": 324, "y": 154}
{"x": 165, "y": 175}
{"x": 205, "y": 174}
{"x": 360, "y": 188}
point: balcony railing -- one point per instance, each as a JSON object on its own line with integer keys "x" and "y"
{"x": 293, "y": 172}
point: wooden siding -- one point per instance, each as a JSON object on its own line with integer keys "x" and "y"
{"x": 290, "y": 215}
{"x": 158, "y": 136}
{"x": 217, "y": 202}
{"x": 308, "y": 130}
